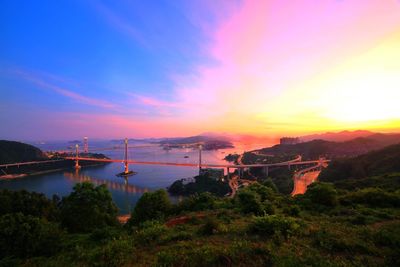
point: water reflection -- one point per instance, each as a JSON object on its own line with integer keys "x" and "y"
{"x": 125, "y": 187}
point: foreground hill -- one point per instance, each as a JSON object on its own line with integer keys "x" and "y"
{"x": 11, "y": 152}
{"x": 373, "y": 163}
{"x": 314, "y": 149}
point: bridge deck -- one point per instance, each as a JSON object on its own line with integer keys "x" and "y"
{"x": 205, "y": 165}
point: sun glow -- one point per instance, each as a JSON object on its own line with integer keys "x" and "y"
{"x": 362, "y": 92}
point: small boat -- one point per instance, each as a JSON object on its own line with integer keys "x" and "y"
{"x": 186, "y": 157}
{"x": 126, "y": 174}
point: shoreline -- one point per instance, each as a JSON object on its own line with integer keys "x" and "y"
{"x": 21, "y": 175}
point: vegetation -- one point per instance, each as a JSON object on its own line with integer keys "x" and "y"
{"x": 151, "y": 206}
{"x": 11, "y": 152}
{"x": 14, "y": 152}
{"x": 349, "y": 222}
{"x": 374, "y": 163}
{"x": 89, "y": 204}
{"x": 201, "y": 183}
{"x": 316, "y": 148}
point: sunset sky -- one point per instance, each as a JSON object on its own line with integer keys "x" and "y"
{"x": 110, "y": 69}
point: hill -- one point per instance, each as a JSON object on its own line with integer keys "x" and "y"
{"x": 12, "y": 151}
{"x": 337, "y": 137}
{"x": 209, "y": 142}
{"x": 314, "y": 149}
{"x": 378, "y": 162}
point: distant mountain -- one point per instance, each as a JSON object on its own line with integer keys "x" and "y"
{"x": 337, "y": 137}
{"x": 12, "y": 152}
{"x": 377, "y": 162}
{"x": 314, "y": 149}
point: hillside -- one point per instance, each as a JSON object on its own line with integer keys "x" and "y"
{"x": 11, "y": 152}
{"x": 258, "y": 227}
{"x": 209, "y": 142}
{"x": 373, "y": 163}
{"x": 314, "y": 149}
{"x": 337, "y": 137}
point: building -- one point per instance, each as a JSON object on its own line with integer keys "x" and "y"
{"x": 289, "y": 140}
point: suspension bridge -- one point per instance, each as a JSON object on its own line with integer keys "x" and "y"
{"x": 240, "y": 167}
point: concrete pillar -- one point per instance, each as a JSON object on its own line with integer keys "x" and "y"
{"x": 126, "y": 157}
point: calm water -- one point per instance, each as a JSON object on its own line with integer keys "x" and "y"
{"x": 125, "y": 194}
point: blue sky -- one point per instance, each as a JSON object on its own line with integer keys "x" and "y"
{"x": 109, "y": 51}
{"x": 109, "y": 69}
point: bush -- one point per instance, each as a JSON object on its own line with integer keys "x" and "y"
{"x": 150, "y": 231}
{"x": 374, "y": 197}
{"x": 249, "y": 202}
{"x": 151, "y": 206}
{"x": 28, "y": 203}
{"x": 200, "y": 256}
{"x": 212, "y": 226}
{"x": 197, "y": 202}
{"x": 88, "y": 208}
{"x": 25, "y": 236}
{"x": 322, "y": 193}
{"x": 274, "y": 224}
{"x": 388, "y": 236}
{"x": 265, "y": 193}
{"x": 270, "y": 184}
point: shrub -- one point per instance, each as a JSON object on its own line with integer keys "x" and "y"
{"x": 150, "y": 231}
{"x": 374, "y": 197}
{"x": 151, "y": 206}
{"x": 193, "y": 256}
{"x": 322, "y": 193}
{"x": 25, "y": 236}
{"x": 249, "y": 202}
{"x": 28, "y": 203}
{"x": 388, "y": 236}
{"x": 197, "y": 202}
{"x": 270, "y": 184}
{"x": 292, "y": 210}
{"x": 212, "y": 226}
{"x": 265, "y": 193}
{"x": 88, "y": 208}
{"x": 274, "y": 224}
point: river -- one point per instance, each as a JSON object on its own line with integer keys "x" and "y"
{"x": 125, "y": 194}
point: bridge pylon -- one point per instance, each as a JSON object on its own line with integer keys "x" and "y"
{"x": 200, "y": 148}
{"x": 126, "y": 171}
{"x": 126, "y": 164}
{"x": 85, "y": 145}
{"x": 77, "y": 166}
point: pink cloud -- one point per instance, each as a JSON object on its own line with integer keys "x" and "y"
{"x": 266, "y": 48}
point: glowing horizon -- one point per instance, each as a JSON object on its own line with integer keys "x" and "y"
{"x": 175, "y": 68}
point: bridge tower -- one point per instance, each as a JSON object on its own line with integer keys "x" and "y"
{"x": 200, "y": 148}
{"x": 126, "y": 171}
{"x": 85, "y": 145}
{"x": 77, "y": 166}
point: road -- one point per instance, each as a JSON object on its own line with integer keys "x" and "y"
{"x": 304, "y": 178}
{"x": 234, "y": 185}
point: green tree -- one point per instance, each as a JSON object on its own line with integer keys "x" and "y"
{"x": 25, "y": 236}
{"x": 88, "y": 208}
{"x": 28, "y": 203}
{"x": 151, "y": 206}
{"x": 249, "y": 202}
{"x": 322, "y": 193}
